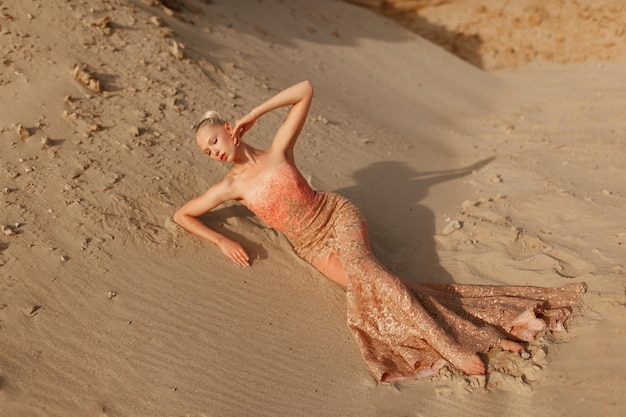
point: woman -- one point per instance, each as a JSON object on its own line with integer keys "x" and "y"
{"x": 403, "y": 330}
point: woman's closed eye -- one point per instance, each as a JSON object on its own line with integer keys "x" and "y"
{"x": 212, "y": 141}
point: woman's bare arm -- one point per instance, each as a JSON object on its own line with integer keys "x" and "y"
{"x": 299, "y": 97}
{"x": 187, "y": 217}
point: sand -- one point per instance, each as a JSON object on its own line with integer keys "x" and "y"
{"x": 508, "y": 173}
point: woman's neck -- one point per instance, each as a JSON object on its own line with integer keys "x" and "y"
{"x": 246, "y": 154}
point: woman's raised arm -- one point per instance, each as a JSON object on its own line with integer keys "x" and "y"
{"x": 299, "y": 97}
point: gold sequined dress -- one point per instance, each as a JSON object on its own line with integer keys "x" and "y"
{"x": 403, "y": 330}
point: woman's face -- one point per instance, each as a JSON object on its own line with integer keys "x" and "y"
{"x": 216, "y": 142}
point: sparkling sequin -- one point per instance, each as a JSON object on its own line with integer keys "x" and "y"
{"x": 403, "y": 330}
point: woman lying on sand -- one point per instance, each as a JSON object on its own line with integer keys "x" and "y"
{"x": 403, "y": 330}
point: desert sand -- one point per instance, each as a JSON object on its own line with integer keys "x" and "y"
{"x": 471, "y": 162}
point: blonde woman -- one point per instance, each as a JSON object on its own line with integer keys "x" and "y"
{"x": 403, "y": 330}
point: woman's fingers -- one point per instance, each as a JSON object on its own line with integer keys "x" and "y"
{"x": 237, "y": 129}
{"x": 240, "y": 130}
{"x": 235, "y": 252}
{"x": 241, "y": 258}
{"x": 242, "y": 126}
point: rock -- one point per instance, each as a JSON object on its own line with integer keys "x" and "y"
{"x": 156, "y": 21}
{"x": 46, "y": 142}
{"x": 495, "y": 179}
{"x": 88, "y": 80}
{"x": 322, "y": 119}
{"x": 452, "y": 227}
{"x": 538, "y": 355}
{"x": 22, "y": 131}
{"x": 104, "y": 24}
{"x": 32, "y": 310}
{"x": 467, "y": 204}
{"x": 177, "y": 50}
{"x": 8, "y": 230}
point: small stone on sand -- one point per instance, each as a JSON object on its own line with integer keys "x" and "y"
{"x": 46, "y": 142}
{"x": 22, "y": 131}
{"x": 32, "y": 310}
{"x": 451, "y": 227}
{"x": 495, "y": 179}
{"x": 88, "y": 80}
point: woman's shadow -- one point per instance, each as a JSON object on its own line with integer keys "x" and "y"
{"x": 401, "y": 230}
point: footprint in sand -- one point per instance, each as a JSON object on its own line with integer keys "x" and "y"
{"x": 567, "y": 265}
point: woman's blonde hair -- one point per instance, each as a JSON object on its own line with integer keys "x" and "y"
{"x": 209, "y": 118}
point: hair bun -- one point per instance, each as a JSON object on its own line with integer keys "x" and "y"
{"x": 212, "y": 114}
{"x": 209, "y": 118}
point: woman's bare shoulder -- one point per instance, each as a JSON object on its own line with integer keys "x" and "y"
{"x": 226, "y": 188}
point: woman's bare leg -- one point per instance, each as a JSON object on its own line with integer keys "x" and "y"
{"x": 331, "y": 266}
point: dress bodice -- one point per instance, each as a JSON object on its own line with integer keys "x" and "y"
{"x": 285, "y": 201}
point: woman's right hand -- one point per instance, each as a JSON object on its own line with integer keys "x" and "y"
{"x": 234, "y": 251}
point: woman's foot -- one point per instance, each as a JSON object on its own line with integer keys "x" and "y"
{"x": 473, "y": 366}
{"x": 511, "y": 346}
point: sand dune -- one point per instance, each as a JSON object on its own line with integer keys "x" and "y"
{"x": 107, "y": 308}
{"x": 495, "y": 35}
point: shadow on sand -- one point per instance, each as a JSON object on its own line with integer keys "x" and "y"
{"x": 259, "y": 18}
{"x": 401, "y": 229}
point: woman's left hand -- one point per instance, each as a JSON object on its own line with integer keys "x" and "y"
{"x": 243, "y": 125}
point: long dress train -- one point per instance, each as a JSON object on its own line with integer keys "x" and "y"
{"x": 403, "y": 330}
